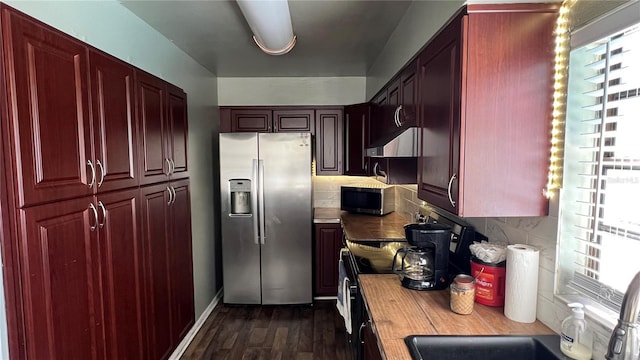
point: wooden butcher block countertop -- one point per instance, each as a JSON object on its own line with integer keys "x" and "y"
{"x": 359, "y": 227}
{"x": 397, "y": 312}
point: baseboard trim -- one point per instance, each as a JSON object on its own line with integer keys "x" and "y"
{"x": 184, "y": 344}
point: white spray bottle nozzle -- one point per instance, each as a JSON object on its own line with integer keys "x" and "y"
{"x": 577, "y": 310}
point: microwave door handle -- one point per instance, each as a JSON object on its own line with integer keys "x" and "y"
{"x": 263, "y": 235}
{"x": 254, "y": 201}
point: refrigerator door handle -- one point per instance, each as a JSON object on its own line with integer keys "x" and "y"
{"x": 254, "y": 201}
{"x": 263, "y": 236}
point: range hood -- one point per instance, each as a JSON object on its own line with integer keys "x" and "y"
{"x": 403, "y": 143}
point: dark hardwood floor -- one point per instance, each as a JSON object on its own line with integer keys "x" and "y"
{"x": 271, "y": 332}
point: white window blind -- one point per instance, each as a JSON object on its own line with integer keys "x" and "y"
{"x": 601, "y": 203}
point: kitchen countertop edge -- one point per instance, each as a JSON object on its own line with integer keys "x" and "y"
{"x": 397, "y": 312}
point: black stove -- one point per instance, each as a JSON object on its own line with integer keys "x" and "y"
{"x": 377, "y": 257}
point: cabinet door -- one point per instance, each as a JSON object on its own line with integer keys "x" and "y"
{"x": 328, "y": 242}
{"x": 158, "y": 300}
{"x": 121, "y": 273}
{"x": 356, "y": 136}
{"x": 371, "y": 349}
{"x": 251, "y": 120}
{"x": 115, "y": 133}
{"x": 440, "y": 99}
{"x": 61, "y": 289}
{"x": 49, "y": 111}
{"x": 178, "y": 132}
{"x": 181, "y": 263}
{"x": 294, "y": 120}
{"x": 378, "y": 110}
{"x": 407, "y": 115}
{"x": 329, "y": 143}
{"x": 151, "y": 97}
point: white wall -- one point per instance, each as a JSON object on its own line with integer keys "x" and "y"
{"x": 109, "y": 26}
{"x": 421, "y": 21}
{"x": 291, "y": 91}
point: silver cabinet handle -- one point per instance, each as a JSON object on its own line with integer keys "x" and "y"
{"x": 173, "y": 166}
{"x": 395, "y": 117}
{"x": 95, "y": 217}
{"x": 174, "y": 195}
{"x": 104, "y": 214}
{"x": 93, "y": 173}
{"x": 263, "y": 236}
{"x": 102, "y": 173}
{"x": 170, "y": 196}
{"x": 168, "y": 166}
{"x": 254, "y": 201}
{"x": 453, "y": 177}
{"x": 398, "y": 116}
{"x": 375, "y": 169}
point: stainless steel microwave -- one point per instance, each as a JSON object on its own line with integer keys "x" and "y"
{"x": 368, "y": 199}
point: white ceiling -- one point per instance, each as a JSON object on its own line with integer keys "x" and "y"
{"x": 335, "y": 37}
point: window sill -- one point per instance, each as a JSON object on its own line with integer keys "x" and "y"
{"x": 603, "y": 316}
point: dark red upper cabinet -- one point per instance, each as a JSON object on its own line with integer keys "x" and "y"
{"x": 163, "y": 126}
{"x": 49, "y": 125}
{"x": 329, "y": 141}
{"x": 246, "y": 119}
{"x": 378, "y": 123}
{"x": 151, "y": 94}
{"x": 394, "y": 108}
{"x": 406, "y": 114}
{"x": 293, "y": 120}
{"x": 486, "y": 119}
{"x": 440, "y": 74}
{"x": 177, "y": 137}
{"x": 356, "y": 137}
{"x": 114, "y": 127}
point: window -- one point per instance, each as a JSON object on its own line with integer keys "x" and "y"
{"x": 599, "y": 250}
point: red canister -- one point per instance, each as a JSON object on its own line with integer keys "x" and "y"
{"x": 489, "y": 282}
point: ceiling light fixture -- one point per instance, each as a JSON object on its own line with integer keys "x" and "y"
{"x": 270, "y": 23}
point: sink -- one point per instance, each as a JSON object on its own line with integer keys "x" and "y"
{"x": 485, "y": 347}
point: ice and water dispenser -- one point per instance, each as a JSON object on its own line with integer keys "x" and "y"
{"x": 240, "y": 196}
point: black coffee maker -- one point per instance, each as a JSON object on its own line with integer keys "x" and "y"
{"x": 424, "y": 265}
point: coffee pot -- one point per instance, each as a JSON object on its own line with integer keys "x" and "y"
{"x": 425, "y": 265}
{"x": 416, "y": 266}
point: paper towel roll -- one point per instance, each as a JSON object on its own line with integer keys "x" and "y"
{"x": 521, "y": 283}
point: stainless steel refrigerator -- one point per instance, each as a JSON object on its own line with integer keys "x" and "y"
{"x": 266, "y": 217}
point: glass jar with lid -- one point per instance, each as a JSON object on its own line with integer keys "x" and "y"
{"x": 463, "y": 291}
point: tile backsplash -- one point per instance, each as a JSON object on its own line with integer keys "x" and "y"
{"x": 536, "y": 231}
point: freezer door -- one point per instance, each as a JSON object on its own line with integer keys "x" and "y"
{"x": 286, "y": 249}
{"x": 240, "y": 241}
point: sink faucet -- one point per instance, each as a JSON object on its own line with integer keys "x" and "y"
{"x": 625, "y": 339}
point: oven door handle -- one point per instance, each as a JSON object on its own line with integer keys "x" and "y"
{"x": 353, "y": 289}
{"x": 360, "y": 336}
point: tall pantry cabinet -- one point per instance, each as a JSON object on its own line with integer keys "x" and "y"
{"x": 77, "y": 248}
